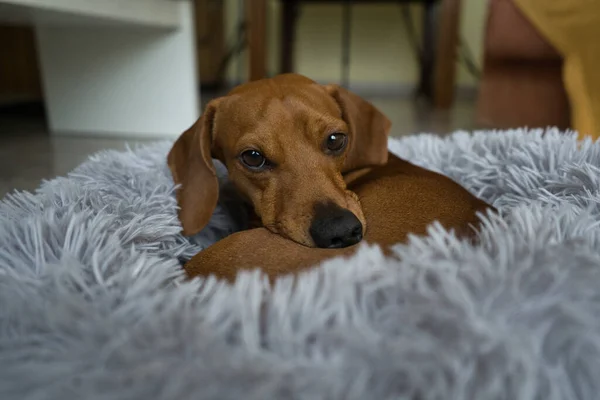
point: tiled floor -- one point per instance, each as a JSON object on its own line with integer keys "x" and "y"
{"x": 29, "y": 154}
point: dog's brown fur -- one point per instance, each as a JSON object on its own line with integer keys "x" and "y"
{"x": 287, "y": 118}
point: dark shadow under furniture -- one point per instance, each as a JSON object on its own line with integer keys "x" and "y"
{"x": 436, "y": 54}
{"x": 426, "y": 51}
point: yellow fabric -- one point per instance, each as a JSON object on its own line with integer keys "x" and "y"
{"x": 573, "y": 28}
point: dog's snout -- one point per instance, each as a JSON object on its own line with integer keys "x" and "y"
{"x": 335, "y": 227}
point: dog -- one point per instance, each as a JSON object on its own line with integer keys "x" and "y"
{"x": 312, "y": 162}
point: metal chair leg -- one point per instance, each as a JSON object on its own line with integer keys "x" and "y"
{"x": 346, "y": 40}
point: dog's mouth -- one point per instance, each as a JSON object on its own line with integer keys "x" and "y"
{"x": 329, "y": 226}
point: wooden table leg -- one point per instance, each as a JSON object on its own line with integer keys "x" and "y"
{"x": 448, "y": 42}
{"x": 427, "y": 56}
{"x": 256, "y": 13}
{"x": 289, "y": 13}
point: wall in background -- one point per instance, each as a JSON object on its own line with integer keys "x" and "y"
{"x": 381, "y": 54}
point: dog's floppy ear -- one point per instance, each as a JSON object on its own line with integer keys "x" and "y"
{"x": 369, "y": 129}
{"x": 190, "y": 161}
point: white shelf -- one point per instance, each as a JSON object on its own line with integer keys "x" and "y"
{"x": 138, "y": 80}
{"x": 143, "y": 13}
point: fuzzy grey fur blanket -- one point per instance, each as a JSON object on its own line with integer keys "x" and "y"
{"x": 93, "y": 304}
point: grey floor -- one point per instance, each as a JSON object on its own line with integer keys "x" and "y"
{"x": 29, "y": 154}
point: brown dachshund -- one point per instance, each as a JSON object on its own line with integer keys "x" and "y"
{"x": 313, "y": 163}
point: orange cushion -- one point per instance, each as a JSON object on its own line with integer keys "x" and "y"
{"x": 573, "y": 28}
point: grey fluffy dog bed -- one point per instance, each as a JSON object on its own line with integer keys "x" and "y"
{"x": 93, "y": 304}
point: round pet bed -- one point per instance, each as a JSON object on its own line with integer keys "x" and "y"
{"x": 93, "y": 303}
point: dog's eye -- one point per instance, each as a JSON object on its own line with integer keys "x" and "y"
{"x": 336, "y": 142}
{"x": 253, "y": 159}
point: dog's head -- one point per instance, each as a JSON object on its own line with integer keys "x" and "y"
{"x": 286, "y": 142}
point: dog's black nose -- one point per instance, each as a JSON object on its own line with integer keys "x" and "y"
{"x": 335, "y": 227}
